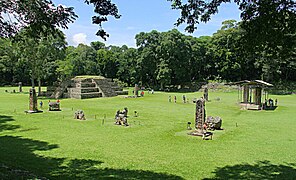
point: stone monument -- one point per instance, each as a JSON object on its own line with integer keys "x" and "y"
{"x": 33, "y": 101}
{"x": 206, "y": 94}
{"x": 136, "y": 90}
{"x": 121, "y": 117}
{"x": 200, "y": 116}
{"x": 200, "y": 120}
{"x": 54, "y": 106}
{"x": 20, "y": 87}
{"x": 214, "y": 123}
{"x": 79, "y": 114}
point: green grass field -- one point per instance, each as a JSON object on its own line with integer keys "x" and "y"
{"x": 53, "y": 145}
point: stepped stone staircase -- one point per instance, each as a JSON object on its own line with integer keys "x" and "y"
{"x": 83, "y": 89}
{"x": 86, "y": 87}
{"x": 105, "y": 86}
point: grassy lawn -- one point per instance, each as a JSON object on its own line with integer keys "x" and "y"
{"x": 253, "y": 144}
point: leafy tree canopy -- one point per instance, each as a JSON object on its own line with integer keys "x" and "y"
{"x": 40, "y": 13}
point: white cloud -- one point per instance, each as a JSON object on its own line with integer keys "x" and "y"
{"x": 130, "y": 28}
{"x": 79, "y": 38}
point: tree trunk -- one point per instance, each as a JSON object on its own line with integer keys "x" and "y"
{"x": 161, "y": 85}
{"x": 32, "y": 81}
{"x": 39, "y": 87}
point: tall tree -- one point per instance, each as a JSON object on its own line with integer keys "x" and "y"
{"x": 127, "y": 66}
{"x": 40, "y": 54}
{"x": 79, "y": 61}
{"x": 269, "y": 34}
{"x": 8, "y": 60}
{"x": 148, "y": 44}
{"x": 39, "y": 13}
{"x": 176, "y": 49}
{"x": 107, "y": 62}
{"x": 97, "y": 45}
{"x": 42, "y": 16}
{"x": 201, "y": 62}
{"x": 226, "y": 48}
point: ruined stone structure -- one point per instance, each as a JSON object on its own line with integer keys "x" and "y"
{"x": 86, "y": 87}
{"x": 83, "y": 89}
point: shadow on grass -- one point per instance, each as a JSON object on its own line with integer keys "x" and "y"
{"x": 270, "y": 108}
{"x": 18, "y": 161}
{"x": 260, "y": 170}
{"x": 3, "y": 123}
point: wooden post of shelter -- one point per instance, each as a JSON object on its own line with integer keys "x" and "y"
{"x": 257, "y": 95}
{"x": 245, "y": 93}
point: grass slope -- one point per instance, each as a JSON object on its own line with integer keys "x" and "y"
{"x": 253, "y": 144}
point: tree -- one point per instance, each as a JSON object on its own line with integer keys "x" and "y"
{"x": 194, "y": 12}
{"x": 8, "y": 59}
{"x": 103, "y": 8}
{"x": 176, "y": 50}
{"x": 226, "y": 51}
{"x": 97, "y": 45}
{"x": 148, "y": 44}
{"x": 269, "y": 35}
{"x": 201, "y": 62}
{"x": 39, "y": 13}
{"x": 40, "y": 54}
{"x": 269, "y": 27}
{"x": 127, "y": 66}
{"x": 107, "y": 61}
{"x": 49, "y": 50}
{"x": 42, "y": 16}
{"x": 65, "y": 66}
{"x": 163, "y": 73}
{"x": 79, "y": 61}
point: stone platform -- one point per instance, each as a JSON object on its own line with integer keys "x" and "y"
{"x": 86, "y": 87}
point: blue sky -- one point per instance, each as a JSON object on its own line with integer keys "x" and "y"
{"x": 137, "y": 16}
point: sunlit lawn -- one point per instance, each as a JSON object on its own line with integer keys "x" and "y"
{"x": 253, "y": 144}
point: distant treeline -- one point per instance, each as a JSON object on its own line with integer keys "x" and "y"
{"x": 160, "y": 59}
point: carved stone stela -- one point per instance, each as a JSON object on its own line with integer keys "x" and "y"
{"x": 33, "y": 100}
{"x": 200, "y": 115}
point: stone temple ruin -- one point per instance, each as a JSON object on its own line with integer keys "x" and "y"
{"x": 83, "y": 87}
